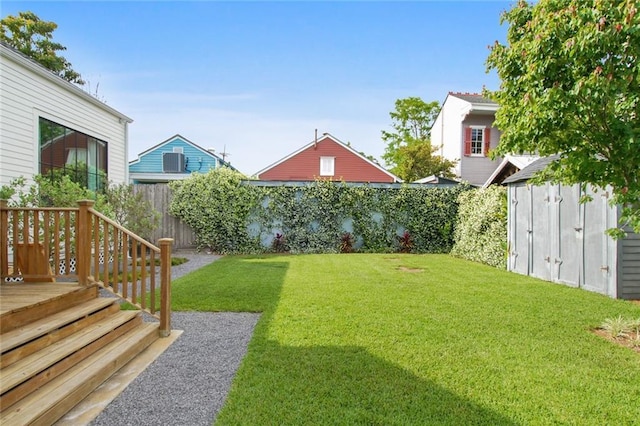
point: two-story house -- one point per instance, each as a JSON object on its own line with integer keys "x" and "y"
{"x": 465, "y": 132}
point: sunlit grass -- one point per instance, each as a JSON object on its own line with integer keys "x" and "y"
{"x": 415, "y": 339}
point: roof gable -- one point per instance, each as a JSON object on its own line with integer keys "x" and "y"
{"x": 323, "y": 141}
{"x": 473, "y": 98}
{"x": 34, "y": 66}
{"x": 530, "y": 171}
{"x": 171, "y": 140}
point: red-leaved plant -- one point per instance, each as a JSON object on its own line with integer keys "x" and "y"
{"x": 346, "y": 243}
{"x": 405, "y": 243}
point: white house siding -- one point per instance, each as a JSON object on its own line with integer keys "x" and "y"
{"x": 476, "y": 170}
{"x": 28, "y": 92}
{"x": 447, "y": 129}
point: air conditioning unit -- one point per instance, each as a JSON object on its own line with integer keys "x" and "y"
{"x": 173, "y": 162}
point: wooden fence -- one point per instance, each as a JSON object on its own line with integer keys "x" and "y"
{"x": 159, "y": 195}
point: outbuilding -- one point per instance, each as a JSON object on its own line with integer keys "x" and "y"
{"x": 555, "y": 237}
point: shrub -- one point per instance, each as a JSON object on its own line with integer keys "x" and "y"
{"x": 217, "y": 207}
{"x": 346, "y": 243}
{"x": 279, "y": 244}
{"x": 132, "y": 211}
{"x": 405, "y": 243}
{"x": 481, "y": 231}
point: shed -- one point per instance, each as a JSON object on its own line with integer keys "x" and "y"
{"x": 552, "y": 236}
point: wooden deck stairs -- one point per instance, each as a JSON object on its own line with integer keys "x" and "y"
{"x": 59, "y": 341}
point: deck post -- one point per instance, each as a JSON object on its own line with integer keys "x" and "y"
{"x": 83, "y": 241}
{"x": 4, "y": 239}
{"x": 165, "y": 286}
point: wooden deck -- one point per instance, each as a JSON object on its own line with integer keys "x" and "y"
{"x": 15, "y": 297}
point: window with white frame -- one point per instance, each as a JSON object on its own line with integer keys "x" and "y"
{"x": 327, "y": 166}
{"x": 477, "y": 140}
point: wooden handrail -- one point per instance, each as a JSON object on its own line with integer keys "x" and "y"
{"x": 83, "y": 244}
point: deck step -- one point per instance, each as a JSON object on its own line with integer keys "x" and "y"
{"x": 28, "y": 332}
{"x": 66, "y": 349}
{"x": 52, "y": 400}
{"x": 44, "y": 298}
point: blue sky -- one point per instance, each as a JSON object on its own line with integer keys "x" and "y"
{"x": 257, "y": 78}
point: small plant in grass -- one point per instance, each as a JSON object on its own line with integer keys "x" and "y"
{"x": 616, "y": 327}
{"x": 346, "y": 243}
{"x": 405, "y": 242}
{"x": 279, "y": 244}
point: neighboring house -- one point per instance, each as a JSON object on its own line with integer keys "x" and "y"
{"x": 437, "y": 180}
{"x": 174, "y": 159}
{"x": 48, "y": 123}
{"x": 464, "y": 130}
{"x": 555, "y": 237}
{"x": 326, "y": 158}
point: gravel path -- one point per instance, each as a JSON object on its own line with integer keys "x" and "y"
{"x": 188, "y": 383}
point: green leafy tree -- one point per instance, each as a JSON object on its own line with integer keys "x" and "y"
{"x": 570, "y": 85}
{"x": 409, "y": 152}
{"x": 420, "y": 160}
{"x": 131, "y": 210}
{"x": 32, "y": 36}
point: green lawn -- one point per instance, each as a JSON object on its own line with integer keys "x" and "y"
{"x": 415, "y": 339}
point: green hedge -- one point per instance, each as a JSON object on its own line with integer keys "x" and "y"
{"x": 481, "y": 231}
{"x": 230, "y": 215}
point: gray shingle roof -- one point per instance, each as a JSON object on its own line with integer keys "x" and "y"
{"x": 474, "y": 98}
{"x": 529, "y": 171}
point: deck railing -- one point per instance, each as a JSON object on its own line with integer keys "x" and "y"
{"x": 81, "y": 244}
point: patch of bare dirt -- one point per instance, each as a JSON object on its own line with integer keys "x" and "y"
{"x": 628, "y": 341}
{"x": 410, "y": 270}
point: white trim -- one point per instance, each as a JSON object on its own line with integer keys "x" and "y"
{"x": 158, "y": 177}
{"x": 520, "y": 161}
{"x": 327, "y": 166}
{"x": 483, "y": 128}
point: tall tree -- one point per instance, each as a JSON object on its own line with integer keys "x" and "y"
{"x": 420, "y": 160}
{"x": 409, "y": 152}
{"x": 570, "y": 85}
{"x": 33, "y": 37}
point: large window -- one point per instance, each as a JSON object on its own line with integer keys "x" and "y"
{"x": 64, "y": 151}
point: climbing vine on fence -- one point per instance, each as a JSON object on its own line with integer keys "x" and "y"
{"x": 230, "y": 215}
{"x": 481, "y": 233}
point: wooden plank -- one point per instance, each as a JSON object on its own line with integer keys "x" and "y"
{"x": 11, "y": 397}
{"x": 46, "y": 333}
{"x": 33, "y": 364}
{"x": 53, "y": 400}
{"x": 30, "y": 304}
